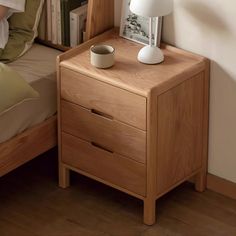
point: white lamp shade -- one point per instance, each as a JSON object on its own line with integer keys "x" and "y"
{"x": 151, "y": 8}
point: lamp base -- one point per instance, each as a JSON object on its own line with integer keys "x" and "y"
{"x": 150, "y": 55}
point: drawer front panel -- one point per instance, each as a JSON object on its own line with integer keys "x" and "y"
{"x": 93, "y": 94}
{"x": 94, "y": 127}
{"x": 103, "y": 164}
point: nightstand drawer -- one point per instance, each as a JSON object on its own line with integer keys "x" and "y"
{"x": 88, "y": 92}
{"x": 93, "y": 126}
{"x": 108, "y": 166}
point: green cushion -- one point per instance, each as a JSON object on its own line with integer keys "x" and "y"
{"x": 13, "y": 89}
{"x": 23, "y": 30}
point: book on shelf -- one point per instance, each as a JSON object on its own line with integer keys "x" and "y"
{"x": 78, "y": 18}
{"x": 59, "y": 33}
{"x": 49, "y": 21}
{"x": 66, "y": 7}
{"x": 54, "y": 21}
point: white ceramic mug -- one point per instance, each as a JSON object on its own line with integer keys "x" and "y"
{"x": 102, "y": 56}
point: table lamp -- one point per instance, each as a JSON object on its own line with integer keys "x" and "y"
{"x": 151, "y": 54}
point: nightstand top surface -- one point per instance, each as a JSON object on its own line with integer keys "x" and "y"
{"x": 128, "y": 73}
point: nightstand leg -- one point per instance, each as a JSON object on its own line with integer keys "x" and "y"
{"x": 200, "y": 181}
{"x": 64, "y": 176}
{"x": 149, "y": 217}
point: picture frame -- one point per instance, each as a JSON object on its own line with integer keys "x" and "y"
{"x": 136, "y": 28}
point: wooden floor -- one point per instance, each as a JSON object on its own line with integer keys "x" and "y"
{"x": 31, "y": 204}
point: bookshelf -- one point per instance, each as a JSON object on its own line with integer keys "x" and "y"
{"x": 51, "y": 45}
{"x": 100, "y": 17}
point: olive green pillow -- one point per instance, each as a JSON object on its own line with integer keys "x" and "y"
{"x": 13, "y": 89}
{"x": 23, "y": 30}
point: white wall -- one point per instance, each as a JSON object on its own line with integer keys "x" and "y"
{"x": 209, "y": 28}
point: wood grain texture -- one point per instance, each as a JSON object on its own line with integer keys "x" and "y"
{"x": 102, "y": 181}
{"x": 201, "y": 178}
{"x": 114, "y": 135}
{"x": 120, "y": 104}
{"x": 149, "y": 216}
{"x": 97, "y": 21}
{"x": 170, "y": 98}
{"x": 180, "y": 130}
{"x": 221, "y": 186}
{"x": 129, "y": 74}
{"x": 63, "y": 172}
{"x": 100, "y": 17}
{"x": 84, "y": 46}
{"x": 111, "y": 167}
{"x": 28, "y": 145}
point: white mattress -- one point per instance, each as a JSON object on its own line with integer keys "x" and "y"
{"x": 38, "y": 68}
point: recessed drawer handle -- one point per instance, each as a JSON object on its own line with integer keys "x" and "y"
{"x": 99, "y": 113}
{"x": 101, "y": 147}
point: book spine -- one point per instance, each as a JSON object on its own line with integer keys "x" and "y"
{"x": 81, "y": 22}
{"x": 73, "y": 29}
{"x": 84, "y": 36}
{"x": 54, "y": 21}
{"x": 69, "y": 5}
{"x": 49, "y": 21}
{"x": 66, "y": 25}
{"x": 59, "y": 35}
{"x": 62, "y": 22}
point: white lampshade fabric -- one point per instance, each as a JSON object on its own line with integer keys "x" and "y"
{"x": 151, "y": 8}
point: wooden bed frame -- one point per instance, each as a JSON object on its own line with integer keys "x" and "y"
{"x": 27, "y": 145}
{"x": 40, "y": 138}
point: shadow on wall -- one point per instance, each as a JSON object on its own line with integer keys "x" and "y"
{"x": 222, "y": 123}
{"x": 205, "y": 18}
{"x": 205, "y": 15}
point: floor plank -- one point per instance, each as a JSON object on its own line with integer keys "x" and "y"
{"x": 31, "y": 204}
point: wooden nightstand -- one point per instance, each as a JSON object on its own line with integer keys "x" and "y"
{"x": 142, "y": 129}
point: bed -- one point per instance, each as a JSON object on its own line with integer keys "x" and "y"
{"x": 30, "y": 129}
{"x": 34, "y": 131}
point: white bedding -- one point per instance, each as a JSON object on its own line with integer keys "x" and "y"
{"x": 38, "y": 68}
